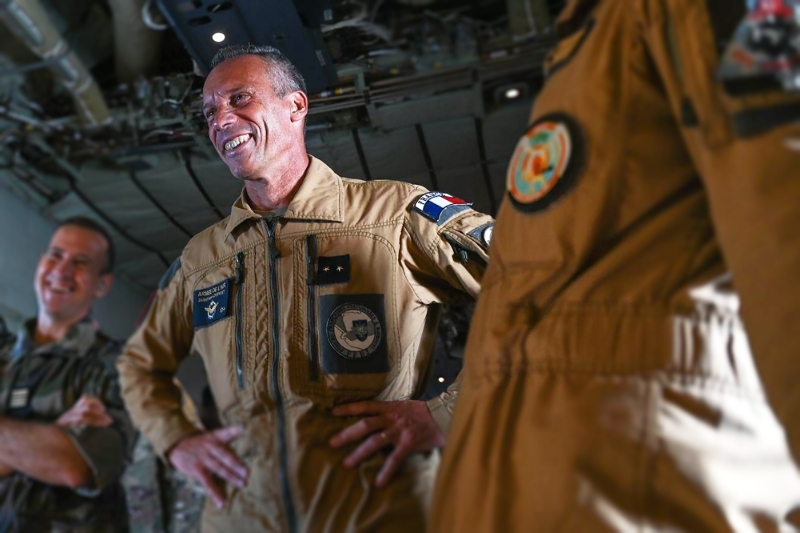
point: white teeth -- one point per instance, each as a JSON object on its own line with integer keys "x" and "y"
{"x": 233, "y": 143}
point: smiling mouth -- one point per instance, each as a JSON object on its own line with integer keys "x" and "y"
{"x": 59, "y": 290}
{"x": 235, "y": 142}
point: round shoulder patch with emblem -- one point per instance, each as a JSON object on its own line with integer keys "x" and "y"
{"x": 546, "y": 162}
{"x": 354, "y": 331}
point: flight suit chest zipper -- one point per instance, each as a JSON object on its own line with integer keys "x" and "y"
{"x": 238, "y": 281}
{"x": 311, "y": 264}
{"x": 283, "y": 459}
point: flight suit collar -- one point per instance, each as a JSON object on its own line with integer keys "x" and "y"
{"x": 573, "y": 16}
{"x": 319, "y": 198}
{"x": 78, "y": 340}
{"x": 240, "y": 212}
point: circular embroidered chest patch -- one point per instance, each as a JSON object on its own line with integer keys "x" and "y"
{"x": 354, "y": 331}
{"x": 546, "y": 162}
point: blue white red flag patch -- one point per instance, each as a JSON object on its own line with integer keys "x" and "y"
{"x": 440, "y": 207}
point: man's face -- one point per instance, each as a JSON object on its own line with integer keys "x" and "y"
{"x": 68, "y": 277}
{"x": 250, "y": 127}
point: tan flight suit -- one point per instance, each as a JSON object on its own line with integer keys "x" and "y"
{"x": 331, "y": 303}
{"x": 608, "y": 382}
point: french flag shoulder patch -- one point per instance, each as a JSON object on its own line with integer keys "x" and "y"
{"x": 440, "y": 207}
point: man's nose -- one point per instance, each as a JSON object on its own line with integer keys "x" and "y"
{"x": 222, "y": 119}
{"x": 64, "y": 268}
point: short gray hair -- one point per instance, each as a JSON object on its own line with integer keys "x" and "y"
{"x": 285, "y": 76}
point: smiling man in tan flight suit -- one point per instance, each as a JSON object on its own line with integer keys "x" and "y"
{"x": 608, "y": 382}
{"x": 313, "y": 306}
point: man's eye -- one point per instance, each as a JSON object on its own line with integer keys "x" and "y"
{"x": 239, "y": 98}
{"x": 209, "y": 114}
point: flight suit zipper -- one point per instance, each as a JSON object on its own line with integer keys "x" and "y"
{"x": 238, "y": 280}
{"x": 283, "y": 461}
{"x": 311, "y": 264}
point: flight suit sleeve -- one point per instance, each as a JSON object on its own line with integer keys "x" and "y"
{"x": 106, "y": 450}
{"x": 745, "y": 148}
{"x": 150, "y": 360}
{"x": 447, "y": 249}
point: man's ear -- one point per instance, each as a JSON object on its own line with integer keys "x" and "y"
{"x": 299, "y": 102}
{"x": 104, "y": 285}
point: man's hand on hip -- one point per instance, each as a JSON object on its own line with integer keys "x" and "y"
{"x": 207, "y": 458}
{"x": 407, "y": 426}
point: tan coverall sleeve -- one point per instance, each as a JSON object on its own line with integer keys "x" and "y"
{"x": 746, "y": 151}
{"x": 441, "y": 258}
{"x": 149, "y": 361}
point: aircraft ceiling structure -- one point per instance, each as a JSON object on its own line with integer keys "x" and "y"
{"x": 100, "y": 103}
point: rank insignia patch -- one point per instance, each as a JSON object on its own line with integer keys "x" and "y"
{"x": 356, "y": 334}
{"x": 546, "y": 163}
{"x": 332, "y": 270}
{"x": 440, "y": 207}
{"x": 19, "y": 398}
{"x": 211, "y": 304}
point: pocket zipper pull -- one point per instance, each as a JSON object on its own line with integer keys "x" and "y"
{"x": 239, "y": 273}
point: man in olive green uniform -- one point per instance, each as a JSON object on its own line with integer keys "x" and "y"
{"x": 64, "y": 435}
{"x": 314, "y": 307}
{"x": 608, "y": 381}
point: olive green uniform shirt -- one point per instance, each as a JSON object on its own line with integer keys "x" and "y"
{"x": 39, "y": 384}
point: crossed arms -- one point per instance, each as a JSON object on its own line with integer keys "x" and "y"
{"x": 44, "y": 451}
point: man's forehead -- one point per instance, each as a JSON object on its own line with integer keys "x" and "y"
{"x": 234, "y": 74}
{"x": 77, "y": 240}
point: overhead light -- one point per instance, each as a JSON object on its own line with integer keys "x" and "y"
{"x": 441, "y": 380}
{"x": 511, "y": 92}
{"x": 218, "y": 37}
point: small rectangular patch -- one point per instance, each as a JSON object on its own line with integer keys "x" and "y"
{"x": 19, "y": 398}
{"x": 440, "y": 207}
{"x": 331, "y": 270}
{"x": 353, "y": 334}
{"x": 211, "y": 304}
{"x": 483, "y": 234}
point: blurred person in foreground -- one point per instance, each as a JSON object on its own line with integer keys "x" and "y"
{"x": 608, "y": 382}
{"x": 65, "y": 438}
{"x": 314, "y": 307}
{"x": 162, "y": 499}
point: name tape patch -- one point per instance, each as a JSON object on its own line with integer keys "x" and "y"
{"x": 211, "y": 304}
{"x": 440, "y": 207}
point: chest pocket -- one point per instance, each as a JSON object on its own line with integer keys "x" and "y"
{"x": 345, "y": 320}
{"x": 218, "y": 303}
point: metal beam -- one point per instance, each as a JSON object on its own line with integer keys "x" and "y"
{"x": 362, "y": 157}
{"x": 156, "y": 204}
{"x": 428, "y": 160}
{"x": 487, "y": 177}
